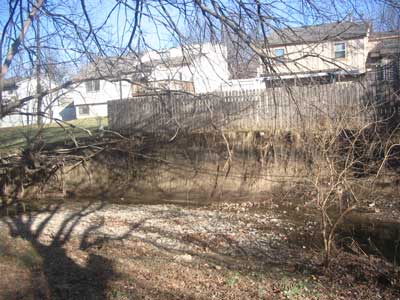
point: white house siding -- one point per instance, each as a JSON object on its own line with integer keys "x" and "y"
{"x": 95, "y": 110}
{"x": 211, "y": 69}
{"x": 24, "y": 88}
{"x": 182, "y": 73}
{"x": 205, "y": 65}
{"x": 243, "y": 84}
{"x": 302, "y": 58}
{"x": 52, "y": 105}
{"x": 97, "y": 100}
{"x": 14, "y": 121}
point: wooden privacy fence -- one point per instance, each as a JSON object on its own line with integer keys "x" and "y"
{"x": 353, "y": 103}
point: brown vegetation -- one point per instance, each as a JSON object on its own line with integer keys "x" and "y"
{"x": 295, "y": 176}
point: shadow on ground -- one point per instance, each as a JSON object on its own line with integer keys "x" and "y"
{"x": 98, "y": 251}
{"x": 65, "y": 278}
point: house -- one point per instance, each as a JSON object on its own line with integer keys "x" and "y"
{"x": 309, "y": 54}
{"x": 199, "y": 68}
{"x": 53, "y": 106}
{"x": 384, "y": 56}
{"x": 326, "y": 52}
{"x": 111, "y": 82}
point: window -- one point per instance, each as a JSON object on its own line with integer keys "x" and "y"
{"x": 340, "y": 50}
{"x": 279, "y": 55}
{"x": 93, "y": 85}
{"x": 279, "y": 52}
{"x": 84, "y": 109}
{"x": 164, "y": 55}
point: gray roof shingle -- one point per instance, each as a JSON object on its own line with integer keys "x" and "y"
{"x": 116, "y": 67}
{"x": 317, "y": 33}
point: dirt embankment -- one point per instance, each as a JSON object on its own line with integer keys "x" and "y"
{"x": 252, "y": 247}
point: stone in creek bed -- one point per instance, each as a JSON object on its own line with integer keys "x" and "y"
{"x": 184, "y": 258}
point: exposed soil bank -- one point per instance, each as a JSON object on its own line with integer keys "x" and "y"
{"x": 375, "y": 233}
{"x": 189, "y": 167}
{"x": 246, "y": 227}
{"x": 199, "y": 170}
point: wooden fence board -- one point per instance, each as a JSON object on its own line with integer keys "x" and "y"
{"x": 279, "y": 107}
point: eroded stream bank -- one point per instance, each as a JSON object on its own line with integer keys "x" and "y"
{"x": 252, "y": 201}
{"x": 254, "y": 171}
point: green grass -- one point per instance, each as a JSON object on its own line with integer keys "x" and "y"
{"x": 299, "y": 289}
{"x": 233, "y": 279}
{"x": 13, "y": 139}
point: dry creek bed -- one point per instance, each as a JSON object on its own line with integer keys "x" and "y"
{"x": 173, "y": 252}
{"x": 180, "y": 230}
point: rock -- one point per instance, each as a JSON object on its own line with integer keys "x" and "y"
{"x": 184, "y": 258}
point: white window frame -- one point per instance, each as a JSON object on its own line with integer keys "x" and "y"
{"x": 93, "y": 86}
{"x": 165, "y": 56}
{"x": 278, "y": 49}
{"x": 343, "y": 52}
{"x": 84, "y": 107}
{"x": 279, "y": 59}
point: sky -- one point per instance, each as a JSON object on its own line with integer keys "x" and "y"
{"x": 112, "y": 25}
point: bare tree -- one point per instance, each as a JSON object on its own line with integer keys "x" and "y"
{"x": 79, "y": 32}
{"x": 388, "y": 16}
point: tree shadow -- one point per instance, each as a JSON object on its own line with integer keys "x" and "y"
{"x": 66, "y": 279}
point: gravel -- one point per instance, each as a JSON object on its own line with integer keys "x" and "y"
{"x": 166, "y": 226}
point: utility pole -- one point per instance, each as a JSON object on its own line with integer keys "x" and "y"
{"x": 38, "y": 67}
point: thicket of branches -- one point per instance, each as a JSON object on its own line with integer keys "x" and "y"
{"x": 58, "y": 38}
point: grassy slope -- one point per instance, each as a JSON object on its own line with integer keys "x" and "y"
{"x": 14, "y": 138}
